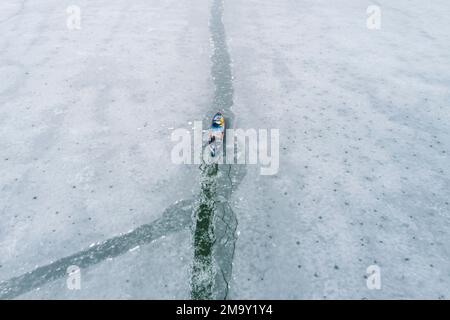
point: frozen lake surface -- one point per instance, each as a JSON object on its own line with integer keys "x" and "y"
{"x": 86, "y": 177}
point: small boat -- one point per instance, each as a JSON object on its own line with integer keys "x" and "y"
{"x": 216, "y": 134}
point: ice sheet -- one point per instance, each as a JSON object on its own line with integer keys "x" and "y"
{"x": 86, "y": 117}
{"x": 85, "y": 170}
{"x": 364, "y": 162}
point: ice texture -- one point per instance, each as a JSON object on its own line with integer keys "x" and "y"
{"x": 364, "y": 173}
{"x": 86, "y": 176}
{"x": 85, "y": 123}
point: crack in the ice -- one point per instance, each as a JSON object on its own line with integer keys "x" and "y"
{"x": 175, "y": 218}
{"x": 219, "y": 246}
{"x": 227, "y": 287}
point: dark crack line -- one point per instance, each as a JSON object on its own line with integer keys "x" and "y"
{"x": 176, "y": 218}
{"x": 213, "y": 208}
{"x": 227, "y": 287}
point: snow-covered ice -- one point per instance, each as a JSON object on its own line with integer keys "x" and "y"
{"x": 85, "y": 117}
{"x": 364, "y": 173}
{"x": 85, "y": 170}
